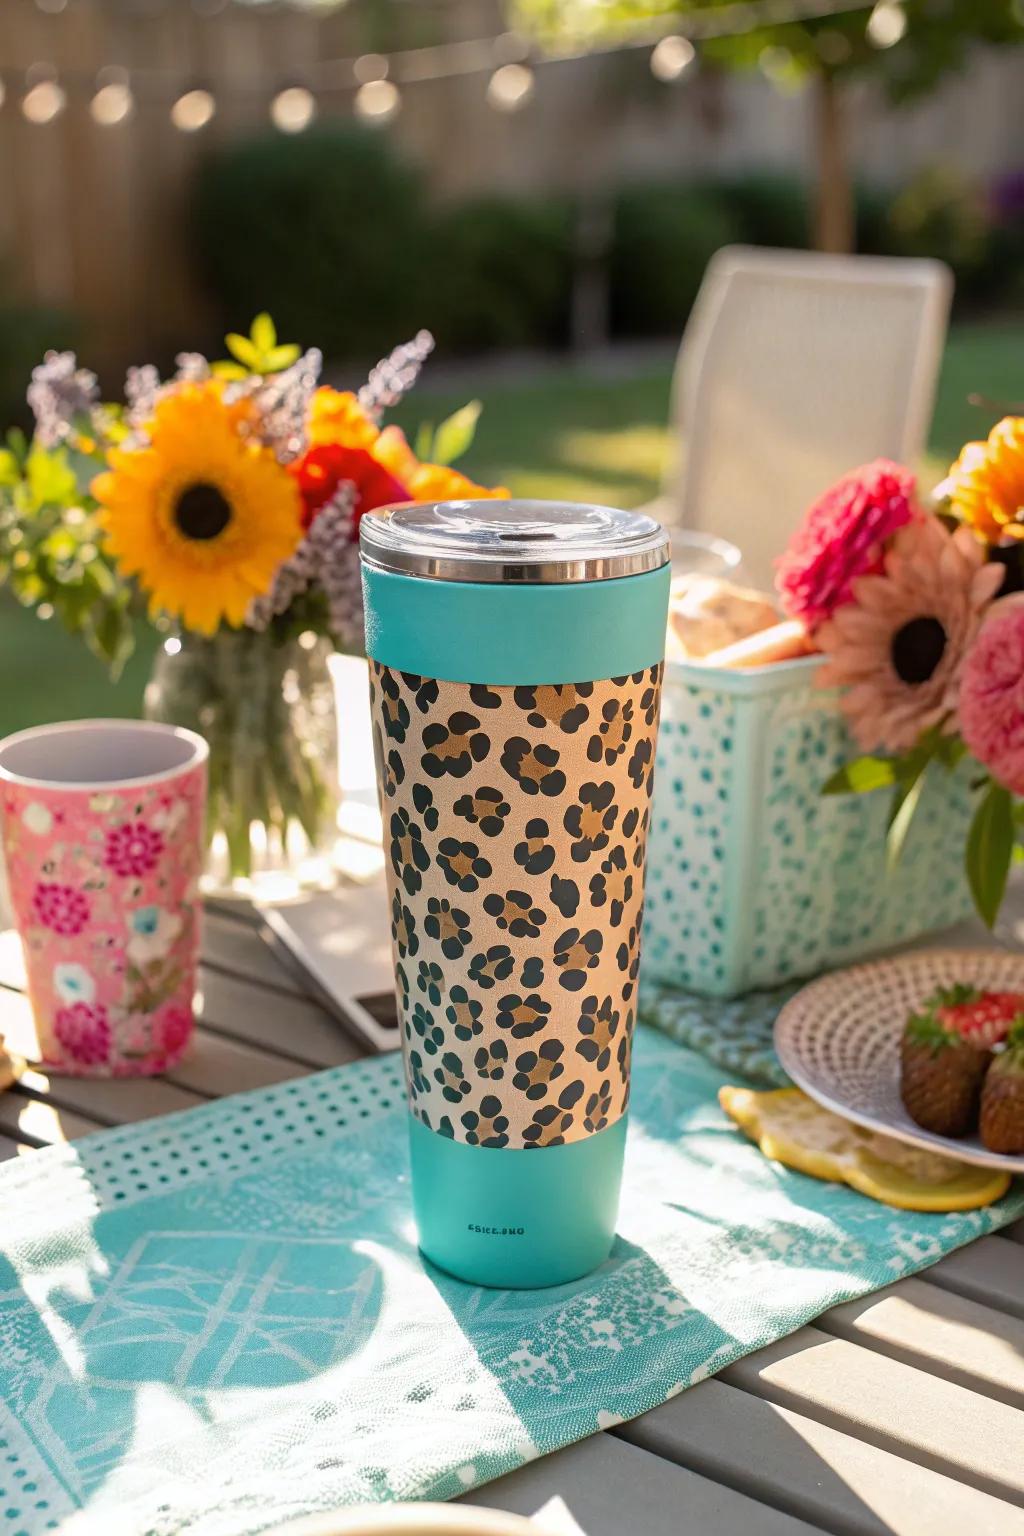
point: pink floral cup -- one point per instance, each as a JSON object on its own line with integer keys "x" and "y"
{"x": 103, "y": 844}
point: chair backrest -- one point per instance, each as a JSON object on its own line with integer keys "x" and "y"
{"x": 796, "y": 367}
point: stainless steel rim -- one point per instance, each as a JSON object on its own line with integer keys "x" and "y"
{"x": 620, "y": 543}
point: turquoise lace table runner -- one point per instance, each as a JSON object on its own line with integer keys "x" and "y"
{"x": 217, "y": 1321}
{"x": 735, "y": 1033}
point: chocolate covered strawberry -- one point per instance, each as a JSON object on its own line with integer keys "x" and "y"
{"x": 941, "y": 1073}
{"x": 1002, "y": 1098}
{"x": 982, "y": 1018}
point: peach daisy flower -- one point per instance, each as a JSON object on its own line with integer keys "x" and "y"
{"x": 898, "y": 648}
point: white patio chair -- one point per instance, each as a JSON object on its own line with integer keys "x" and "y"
{"x": 796, "y": 367}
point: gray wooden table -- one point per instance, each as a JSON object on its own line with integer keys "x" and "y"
{"x": 901, "y": 1413}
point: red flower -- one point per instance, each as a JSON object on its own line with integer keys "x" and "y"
{"x": 322, "y": 471}
{"x": 843, "y": 536}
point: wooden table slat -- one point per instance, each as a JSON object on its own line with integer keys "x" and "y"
{"x": 812, "y": 1470}
{"x": 938, "y": 1331}
{"x": 990, "y": 1270}
{"x": 291, "y": 1027}
{"x": 33, "y": 1120}
{"x": 917, "y": 1416}
{"x": 9, "y": 1148}
{"x": 216, "y": 1065}
{"x": 610, "y": 1488}
{"x": 110, "y": 1101}
{"x": 1015, "y": 1232}
{"x": 228, "y": 946}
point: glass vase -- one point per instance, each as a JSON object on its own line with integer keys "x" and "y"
{"x": 266, "y": 707}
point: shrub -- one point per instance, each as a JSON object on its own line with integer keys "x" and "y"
{"x": 663, "y": 240}
{"x": 326, "y": 230}
{"x": 503, "y": 274}
{"x": 769, "y": 207}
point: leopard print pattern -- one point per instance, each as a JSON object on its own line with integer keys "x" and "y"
{"x": 515, "y": 832}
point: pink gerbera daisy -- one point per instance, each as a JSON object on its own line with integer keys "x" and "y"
{"x": 843, "y": 536}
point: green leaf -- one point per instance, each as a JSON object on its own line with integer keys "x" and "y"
{"x": 423, "y": 447}
{"x": 456, "y": 434}
{"x": 10, "y": 470}
{"x": 263, "y": 333}
{"x": 111, "y": 636}
{"x": 242, "y": 348}
{"x": 49, "y": 478}
{"x": 904, "y": 805}
{"x": 989, "y": 849}
{"x": 861, "y": 776}
{"x": 17, "y": 442}
{"x": 950, "y": 751}
{"x": 228, "y": 370}
{"x": 275, "y": 359}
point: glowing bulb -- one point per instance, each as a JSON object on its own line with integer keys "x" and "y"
{"x": 510, "y": 87}
{"x": 112, "y": 104}
{"x": 293, "y": 109}
{"x": 670, "y": 57}
{"x": 377, "y": 100}
{"x": 193, "y": 111}
{"x": 43, "y": 102}
{"x": 372, "y": 66}
{"x": 886, "y": 24}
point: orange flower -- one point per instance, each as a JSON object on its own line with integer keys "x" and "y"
{"x": 335, "y": 416}
{"x": 986, "y": 484}
{"x": 426, "y": 482}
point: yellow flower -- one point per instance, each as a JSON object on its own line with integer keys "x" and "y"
{"x": 202, "y": 516}
{"x": 986, "y": 484}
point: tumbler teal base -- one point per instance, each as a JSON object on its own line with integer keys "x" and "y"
{"x": 514, "y": 1219}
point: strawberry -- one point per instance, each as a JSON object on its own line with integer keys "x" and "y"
{"x": 942, "y": 1074}
{"x": 1002, "y": 1098}
{"x": 983, "y": 1018}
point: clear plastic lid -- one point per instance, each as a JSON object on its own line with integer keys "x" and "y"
{"x": 512, "y": 541}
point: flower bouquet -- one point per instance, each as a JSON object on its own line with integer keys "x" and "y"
{"x": 920, "y": 615}
{"x": 224, "y": 504}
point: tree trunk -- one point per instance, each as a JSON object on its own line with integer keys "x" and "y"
{"x": 834, "y": 228}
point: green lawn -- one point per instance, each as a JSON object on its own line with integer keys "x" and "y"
{"x": 572, "y": 433}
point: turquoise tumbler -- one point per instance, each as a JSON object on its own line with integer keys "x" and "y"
{"x": 516, "y": 654}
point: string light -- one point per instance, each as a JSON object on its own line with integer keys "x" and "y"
{"x": 113, "y": 101}
{"x": 376, "y": 78}
{"x": 293, "y": 109}
{"x": 370, "y": 67}
{"x": 377, "y": 100}
{"x": 193, "y": 111}
{"x": 886, "y": 24}
{"x": 670, "y": 57}
{"x": 510, "y": 87}
{"x": 43, "y": 102}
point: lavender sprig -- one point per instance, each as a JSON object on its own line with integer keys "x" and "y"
{"x": 395, "y": 375}
{"x": 281, "y": 401}
{"x": 326, "y": 557}
{"x": 59, "y": 392}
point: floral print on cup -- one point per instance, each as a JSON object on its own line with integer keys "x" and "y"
{"x": 104, "y": 886}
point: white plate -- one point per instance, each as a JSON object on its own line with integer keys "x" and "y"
{"x": 839, "y": 1038}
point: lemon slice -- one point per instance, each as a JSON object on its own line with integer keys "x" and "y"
{"x": 790, "y": 1128}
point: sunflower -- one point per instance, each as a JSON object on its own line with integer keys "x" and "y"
{"x": 986, "y": 484}
{"x": 201, "y": 515}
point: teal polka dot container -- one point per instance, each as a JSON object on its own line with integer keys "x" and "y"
{"x": 754, "y": 877}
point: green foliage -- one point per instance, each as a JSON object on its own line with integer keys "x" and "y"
{"x": 325, "y": 229}
{"x": 50, "y": 547}
{"x": 663, "y": 240}
{"x": 989, "y": 850}
{"x": 454, "y": 437}
{"x": 936, "y": 39}
{"x": 257, "y": 353}
{"x": 501, "y": 273}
